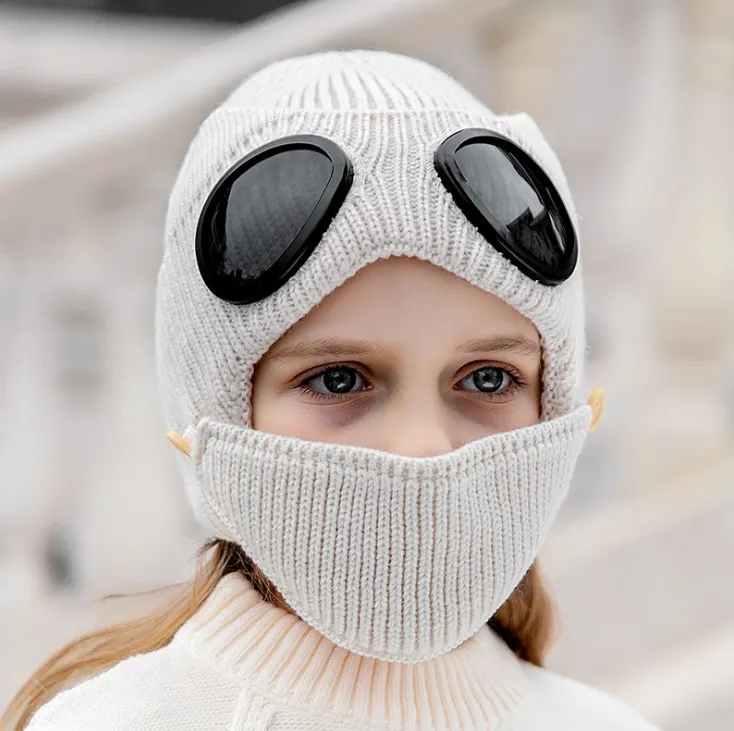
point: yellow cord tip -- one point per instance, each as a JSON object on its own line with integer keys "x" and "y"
{"x": 597, "y": 400}
{"x": 179, "y": 442}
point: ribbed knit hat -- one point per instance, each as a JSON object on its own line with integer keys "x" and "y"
{"x": 389, "y": 113}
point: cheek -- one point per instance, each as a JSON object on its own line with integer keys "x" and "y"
{"x": 268, "y": 414}
{"x": 492, "y": 418}
{"x": 499, "y": 418}
{"x": 289, "y": 414}
{"x": 527, "y": 412}
{"x": 351, "y": 415}
{"x": 274, "y": 413}
{"x": 528, "y": 407}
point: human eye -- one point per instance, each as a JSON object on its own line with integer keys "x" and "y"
{"x": 491, "y": 382}
{"x": 334, "y": 382}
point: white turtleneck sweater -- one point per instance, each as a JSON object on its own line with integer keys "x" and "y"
{"x": 241, "y": 664}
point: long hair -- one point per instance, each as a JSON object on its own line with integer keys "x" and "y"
{"x": 526, "y": 622}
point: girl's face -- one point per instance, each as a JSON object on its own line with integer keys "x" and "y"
{"x": 404, "y": 357}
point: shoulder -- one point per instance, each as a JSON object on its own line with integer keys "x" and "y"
{"x": 565, "y": 704}
{"x": 161, "y": 690}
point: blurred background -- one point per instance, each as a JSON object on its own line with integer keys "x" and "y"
{"x": 98, "y": 99}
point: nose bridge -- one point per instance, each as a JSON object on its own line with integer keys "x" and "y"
{"x": 419, "y": 425}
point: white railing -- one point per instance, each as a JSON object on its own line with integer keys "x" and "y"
{"x": 135, "y": 125}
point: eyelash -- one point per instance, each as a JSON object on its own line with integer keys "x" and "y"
{"x": 516, "y": 379}
{"x": 516, "y": 382}
{"x": 305, "y": 388}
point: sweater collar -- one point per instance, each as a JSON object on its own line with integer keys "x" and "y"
{"x": 478, "y": 685}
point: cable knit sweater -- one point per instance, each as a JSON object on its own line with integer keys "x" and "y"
{"x": 241, "y": 664}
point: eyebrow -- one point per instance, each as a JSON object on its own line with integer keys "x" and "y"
{"x": 333, "y": 347}
{"x": 326, "y": 347}
{"x": 520, "y": 345}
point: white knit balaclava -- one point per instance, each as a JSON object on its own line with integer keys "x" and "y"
{"x": 393, "y": 557}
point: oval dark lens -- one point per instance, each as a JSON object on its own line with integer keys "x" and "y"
{"x": 513, "y": 199}
{"x": 258, "y": 216}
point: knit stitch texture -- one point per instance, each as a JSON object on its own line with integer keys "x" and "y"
{"x": 389, "y": 556}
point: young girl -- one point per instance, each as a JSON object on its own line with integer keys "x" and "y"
{"x": 370, "y": 337}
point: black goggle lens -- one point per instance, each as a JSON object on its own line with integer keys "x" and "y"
{"x": 264, "y": 210}
{"x": 265, "y": 217}
{"x": 512, "y": 202}
{"x": 269, "y": 211}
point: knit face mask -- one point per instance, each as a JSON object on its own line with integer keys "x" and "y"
{"x": 399, "y": 558}
{"x": 394, "y": 557}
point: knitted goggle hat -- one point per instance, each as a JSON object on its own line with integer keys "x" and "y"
{"x": 388, "y": 115}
